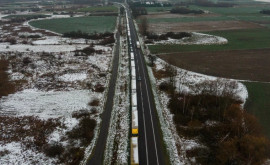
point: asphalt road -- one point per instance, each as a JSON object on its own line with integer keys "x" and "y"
{"x": 96, "y": 157}
{"x": 151, "y": 150}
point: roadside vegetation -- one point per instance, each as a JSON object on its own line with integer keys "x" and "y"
{"x": 99, "y": 24}
{"x": 227, "y": 134}
{"x": 99, "y": 9}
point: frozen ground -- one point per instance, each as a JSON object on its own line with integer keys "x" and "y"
{"x": 53, "y": 83}
{"x": 45, "y": 105}
{"x": 39, "y": 48}
{"x": 18, "y": 155}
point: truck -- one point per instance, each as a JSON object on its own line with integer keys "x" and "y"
{"x": 134, "y": 151}
{"x": 138, "y": 44}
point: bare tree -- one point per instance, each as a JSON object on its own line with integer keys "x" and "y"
{"x": 144, "y": 26}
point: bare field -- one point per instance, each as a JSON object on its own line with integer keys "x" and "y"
{"x": 201, "y": 26}
{"x": 236, "y": 64}
{"x": 170, "y": 15}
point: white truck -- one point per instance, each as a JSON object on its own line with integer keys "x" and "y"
{"x": 138, "y": 44}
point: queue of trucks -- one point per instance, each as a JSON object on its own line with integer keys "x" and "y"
{"x": 134, "y": 148}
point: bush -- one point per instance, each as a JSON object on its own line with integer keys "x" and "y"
{"x": 26, "y": 60}
{"x": 94, "y": 102}
{"x": 11, "y": 40}
{"x": 53, "y": 150}
{"x": 179, "y": 35}
{"x": 84, "y": 131}
{"x": 72, "y": 156}
{"x": 93, "y": 36}
{"x": 99, "y": 88}
{"x": 164, "y": 86}
{"x": 80, "y": 114}
{"x": 182, "y": 10}
{"x": 108, "y": 40}
{"x": 265, "y": 12}
{"x": 88, "y": 50}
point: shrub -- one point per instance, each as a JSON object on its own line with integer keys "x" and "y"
{"x": 108, "y": 40}
{"x": 53, "y": 150}
{"x": 84, "y": 131}
{"x": 3, "y": 153}
{"x": 99, "y": 88}
{"x": 72, "y": 156}
{"x": 11, "y": 40}
{"x": 88, "y": 50}
{"x": 94, "y": 102}
{"x": 93, "y": 36}
{"x": 265, "y": 11}
{"x": 26, "y": 60}
{"x": 80, "y": 114}
{"x": 164, "y": 86}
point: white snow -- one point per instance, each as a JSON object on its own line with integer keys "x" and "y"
{"x": 45, "y": 105}
{"x": 21, "y": 155}
{"x": 195, "y": 39}
{"x": 4, "y": 47}
{"x": 69, "y": 77}
{"x": 56, "y": 40}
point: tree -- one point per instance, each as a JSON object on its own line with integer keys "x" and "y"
{"x": 144, "y": 26}
{"x": 152, "y": 59}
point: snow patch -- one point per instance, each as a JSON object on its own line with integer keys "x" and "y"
{"x": 20, "y": 155}
{"x": 4, "y": 47}
{"x": 52, "y": 104}
{"x": 195, "y": 39}
{"x": 69, "y": 77}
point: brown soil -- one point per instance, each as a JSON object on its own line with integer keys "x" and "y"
{"x": 201, "y": 26}
{"x": 236, "y": 64}
{"x": 170, "y": 15}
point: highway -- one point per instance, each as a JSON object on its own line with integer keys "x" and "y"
{"x": 151, "y": 150}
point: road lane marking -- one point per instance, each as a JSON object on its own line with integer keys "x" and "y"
{"x": 146, "y": 149}
{"x": 150, "y": 111}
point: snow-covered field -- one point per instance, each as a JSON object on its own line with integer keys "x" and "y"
{"x": 53, "y": 85}
{"x": 195, "y": 39}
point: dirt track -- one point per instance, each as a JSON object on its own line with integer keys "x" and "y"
{"x": 236, "y": 64}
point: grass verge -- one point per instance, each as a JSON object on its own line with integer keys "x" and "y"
{"x": 258, "y": 103}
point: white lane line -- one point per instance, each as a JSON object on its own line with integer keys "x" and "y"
{"x": 146, "y": 148}
{"x": 150, "y": 110}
